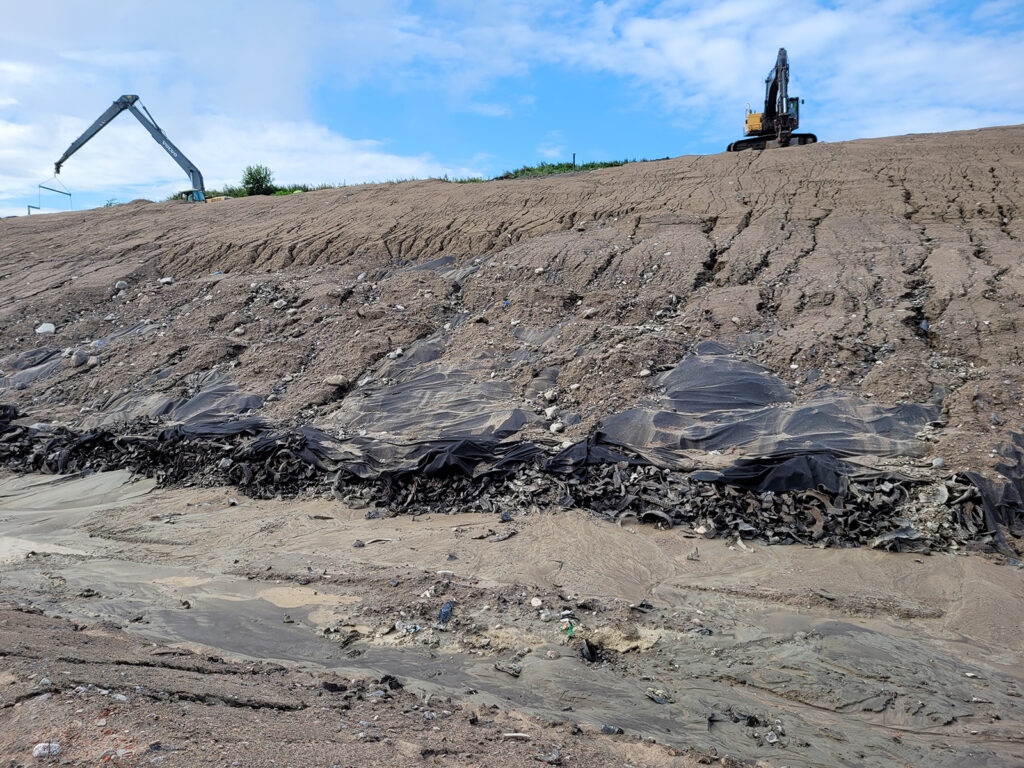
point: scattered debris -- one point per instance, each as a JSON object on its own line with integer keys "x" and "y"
{"x": 554, "y": 757}
{"x": 509, "y": 668}
{"x": 658, "y": 696}
{"x": 446, "y": 613}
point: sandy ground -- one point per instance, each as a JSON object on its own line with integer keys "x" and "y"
{"x": 787, "y": 655}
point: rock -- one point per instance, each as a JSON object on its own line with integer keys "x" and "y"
{"x": 166, "y": 281}
{"x": 120, "y": 295}
{"x": 358, "y": 543}
{"x": 735, "y": 320}
{"x": 557, "y": 428}
{"x": 239, "y": 331}
{"x": 46, "y": 328}
{"x": 536, "y": 602}
{"x": 46, "y": 749}
{"x": 508, "y": 668}
{"x": 280, "y": 304}
{"x": 551, "y": 395}
{"x": 539, "y": 271}
{"x": 550, "y": 411}
{"x": 446, "y": 613}
{"x": 337, "y": 381}
{"x": 79, "y": 358}
{"x": 547, "y": 616}
{"x": 589, "y": 312}
{"x": 225, "y": 463}
{"x": 938, "y": 462}
{"x": 611, "y": 730}
{"x": 120, "y": 285}
{"x": 92, "y": 362}
{"x": 645, "y": 373}
{"x": 292, "y": 312}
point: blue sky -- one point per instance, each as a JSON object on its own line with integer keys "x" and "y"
{"x": 353, "y": 91}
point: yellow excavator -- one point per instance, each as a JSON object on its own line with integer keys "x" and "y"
{"x": 775, "y": 126}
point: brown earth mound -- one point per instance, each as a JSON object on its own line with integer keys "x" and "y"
{"x": 889, "y": 268}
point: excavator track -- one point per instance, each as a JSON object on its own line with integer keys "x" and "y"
{"x": 770, "y": 142}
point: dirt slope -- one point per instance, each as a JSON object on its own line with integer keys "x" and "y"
{"x": 888, "y": 266}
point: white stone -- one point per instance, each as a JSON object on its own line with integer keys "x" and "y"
{"x": 550, "y": 411}
{"x": 166, "y": 281}
{"x": 46, "y": 328}
{"x": 46, "y": 749}
{"x": 557, "y": 427}
{"x": 280, "y": 304}
{"x": 645, "y": 373}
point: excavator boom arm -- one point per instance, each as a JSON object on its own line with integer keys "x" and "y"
{"x": 113, "y": 111}
{"x": 127, "y": 102}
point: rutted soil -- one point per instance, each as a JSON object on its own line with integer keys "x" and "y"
{"x": 889, "y": 267}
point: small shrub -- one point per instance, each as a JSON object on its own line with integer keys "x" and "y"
{"x": 258, "y": 180}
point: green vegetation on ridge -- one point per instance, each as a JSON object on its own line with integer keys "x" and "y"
{"x": 259, "y": 179}
{"x": 549, "y": 169}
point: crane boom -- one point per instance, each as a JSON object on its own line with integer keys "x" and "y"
{"x": 127, "y": 102}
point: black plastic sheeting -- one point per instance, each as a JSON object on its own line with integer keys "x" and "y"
{"x": 712, "y": 401}
{"x": 710, "y": 404}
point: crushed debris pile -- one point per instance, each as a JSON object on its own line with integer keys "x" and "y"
{"x": 883, "y": 513}
{"x": 845, "y": 507}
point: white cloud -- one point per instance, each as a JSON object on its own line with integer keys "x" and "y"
{"x": 16, "y": 72}
{"x": 488, "y": 109}
{"x": 553, "y": 146}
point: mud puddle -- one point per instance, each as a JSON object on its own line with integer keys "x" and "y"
{"x": 790, "y": 655}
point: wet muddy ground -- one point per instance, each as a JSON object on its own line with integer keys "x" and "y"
{"x": 788, "y": 655}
